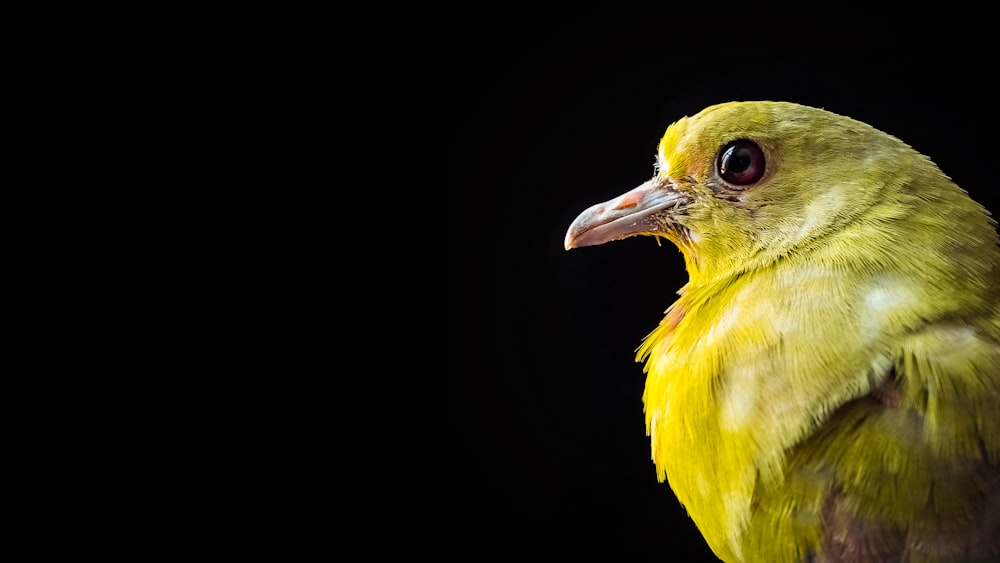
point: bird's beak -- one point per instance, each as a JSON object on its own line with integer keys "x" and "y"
{"x": 649, "y": 209}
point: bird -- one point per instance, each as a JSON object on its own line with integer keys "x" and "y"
{"x": 826, "y": 385}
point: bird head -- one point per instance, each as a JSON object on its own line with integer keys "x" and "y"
{"x": 746, "y": 183}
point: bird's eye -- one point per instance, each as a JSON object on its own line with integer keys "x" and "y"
{"x": 741, "y": 162}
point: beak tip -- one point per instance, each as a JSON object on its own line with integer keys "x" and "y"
{"x": 569, "y": 241}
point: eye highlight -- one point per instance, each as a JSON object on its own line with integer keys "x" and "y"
{"x": 741, "y": 162}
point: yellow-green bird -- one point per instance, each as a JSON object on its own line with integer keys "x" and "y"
{"x": 827, "y": 385}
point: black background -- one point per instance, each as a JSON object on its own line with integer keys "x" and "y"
{"x": 556, "y": 112}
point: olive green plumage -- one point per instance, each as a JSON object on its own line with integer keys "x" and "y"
{"x": 827, "y": 385}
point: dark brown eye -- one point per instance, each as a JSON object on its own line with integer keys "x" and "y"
{"x": 741, "y": 162}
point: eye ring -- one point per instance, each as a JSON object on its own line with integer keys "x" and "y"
{"x": 741, "y": 162}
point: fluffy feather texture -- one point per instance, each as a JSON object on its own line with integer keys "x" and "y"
{"x": 827, "y": 385}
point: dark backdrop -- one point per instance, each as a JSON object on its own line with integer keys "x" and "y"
{"x": 554, "y": 113}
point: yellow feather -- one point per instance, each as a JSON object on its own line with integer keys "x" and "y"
{"x": 827, "y": 384}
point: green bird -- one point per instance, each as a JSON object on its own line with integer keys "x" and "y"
{"x": 827, "y": 385}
